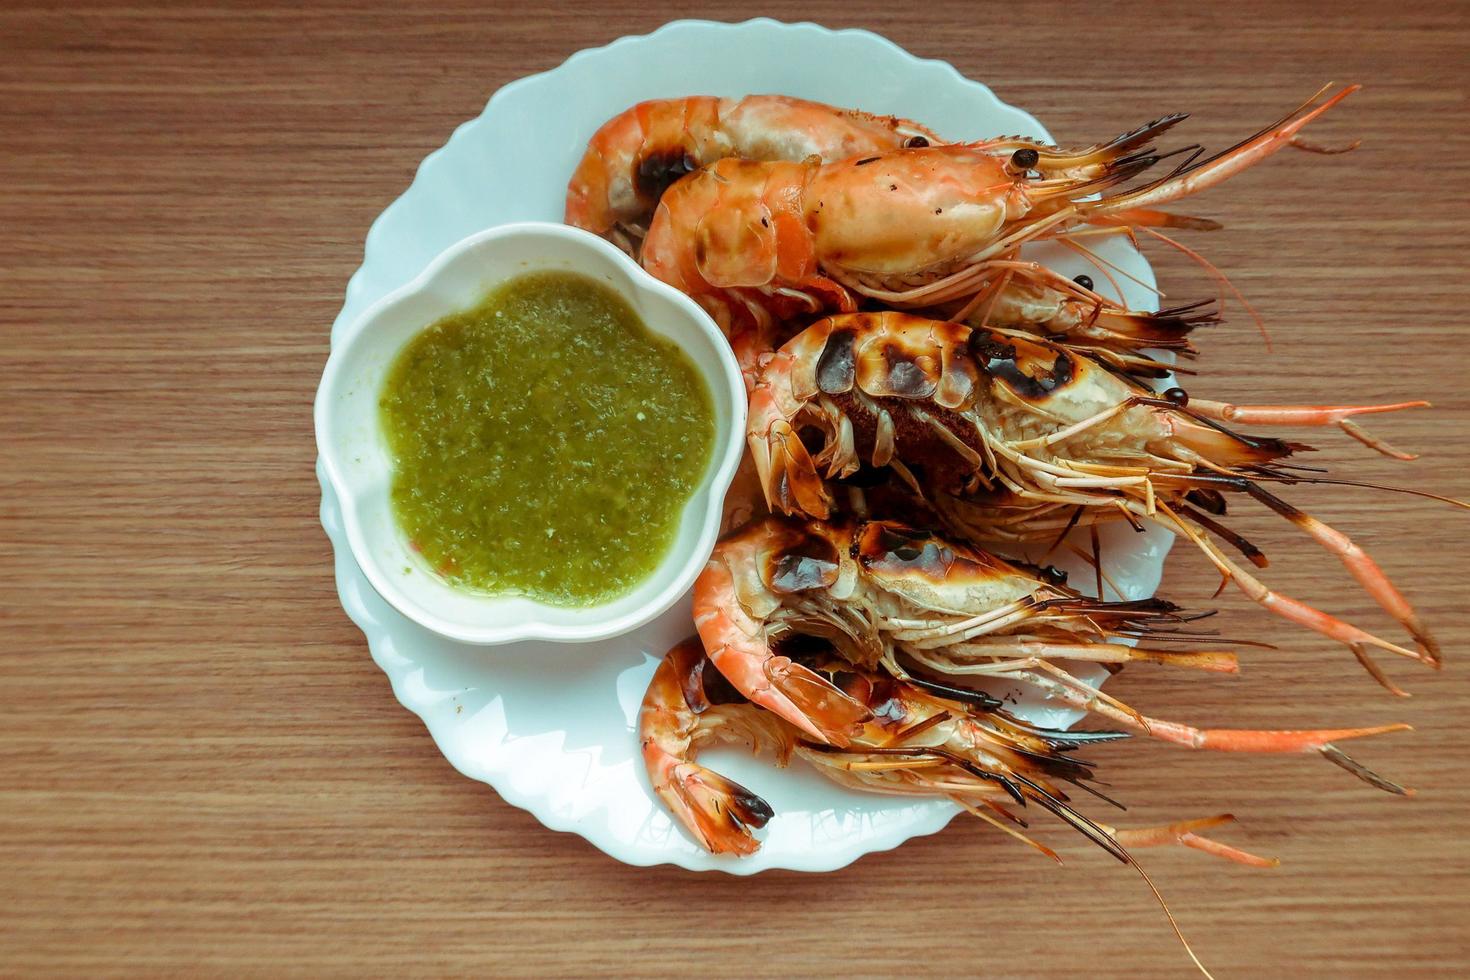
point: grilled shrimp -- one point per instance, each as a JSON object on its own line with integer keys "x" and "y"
{"x": 634, "y": 157}
{"x": 918, "y": 738}
{"x": 676, "y": 720}
{"x": 1019, "y": 440}
{"x": 876, "y": 591}
{"x": 914, "y": 227}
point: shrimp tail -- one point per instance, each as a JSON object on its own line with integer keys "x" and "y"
{"x": 677, "y": 718}
{"x": 718, "y": 810}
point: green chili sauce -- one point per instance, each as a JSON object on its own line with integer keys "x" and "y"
{"x": 545, "y": 442}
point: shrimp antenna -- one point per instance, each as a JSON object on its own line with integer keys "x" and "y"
{"x": 1213, "y": 271}
{"x": 1070, "y": 739}
{"x": 1292, "y": 479}
{"x": 964, "y": 695}
{"x": 1178, "y": 933}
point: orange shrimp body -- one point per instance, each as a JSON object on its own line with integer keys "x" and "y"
{"x": 912, "y": 227}
{"x": 734, "y": 237}
{"x": 877, "y": 589}
{"x": 914, "y": 212}
{"x": 916, "y": 737}
{"x": 1019, "y": 440}
{"x": 637, "y": 154}
{"x": 745, "y": 240}
{"x": 911, "y": 744}
{"x": 755, "y": 242}
{"x": 675, "y": 721}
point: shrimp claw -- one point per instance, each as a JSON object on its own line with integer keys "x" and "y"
{"x": 739, "y": 647}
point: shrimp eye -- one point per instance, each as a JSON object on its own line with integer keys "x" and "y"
{"x": 1052, "y": 575}
{"x": 915, "y": 143}
{"x": 1177, "y": 396}
{"x": 1084, "y": 281}
{"x": 1025, "y": 159}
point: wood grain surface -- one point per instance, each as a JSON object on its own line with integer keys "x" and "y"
{"x": 201, "y": 770}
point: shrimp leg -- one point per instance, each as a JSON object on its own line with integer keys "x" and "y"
{"x": 1275, "y": 742}
{"x": 1185, "y": 833}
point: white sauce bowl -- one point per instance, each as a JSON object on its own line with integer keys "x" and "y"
{"x": 355, "y": 451}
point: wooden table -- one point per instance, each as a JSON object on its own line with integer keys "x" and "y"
{"x": 204, "y": 771}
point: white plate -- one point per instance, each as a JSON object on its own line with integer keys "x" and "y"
{"x": 552, "y": 727}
